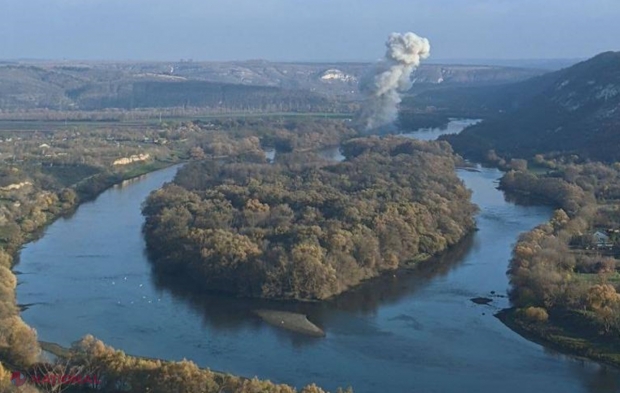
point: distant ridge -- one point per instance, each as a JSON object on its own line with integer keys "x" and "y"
{"x": 87, "y": 85}
{"x": 541, "y": 64}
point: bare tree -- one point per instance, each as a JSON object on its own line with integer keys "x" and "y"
{"x": 60, "y": 375}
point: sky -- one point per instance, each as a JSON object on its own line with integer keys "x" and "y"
{"x": 303, "y": 30}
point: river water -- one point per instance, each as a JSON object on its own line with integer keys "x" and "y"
{"x": 414, "y": 331}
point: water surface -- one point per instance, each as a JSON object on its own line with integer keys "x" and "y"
{"x": 407, "y": 332}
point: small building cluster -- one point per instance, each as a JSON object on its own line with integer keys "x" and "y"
{"x": 131, "y": 159}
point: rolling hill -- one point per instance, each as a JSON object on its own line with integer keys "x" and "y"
{"x": 253, "y": 85}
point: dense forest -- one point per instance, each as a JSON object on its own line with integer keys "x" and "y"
{"x": 308, "y": 231}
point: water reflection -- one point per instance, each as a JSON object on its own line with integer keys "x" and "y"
{"x": 223, "y": 312}
{"x": 129, "y": 182}
{"x": 597, "y": 378}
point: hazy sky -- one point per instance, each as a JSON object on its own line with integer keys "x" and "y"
{"x": 312, "y": 30}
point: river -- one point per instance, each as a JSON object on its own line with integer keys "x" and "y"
{"x": 414, "y": 331}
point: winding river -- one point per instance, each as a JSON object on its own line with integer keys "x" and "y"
{"x": 414, "y": 331}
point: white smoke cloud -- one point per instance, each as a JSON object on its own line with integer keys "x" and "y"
{"x": 391, "y": 77}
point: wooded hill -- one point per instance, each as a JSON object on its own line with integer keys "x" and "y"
{"x": 574, "y": 111}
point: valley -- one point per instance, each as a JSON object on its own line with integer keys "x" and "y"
{"x": 271, "y": 192}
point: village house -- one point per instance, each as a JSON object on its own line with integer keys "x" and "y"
{"x": 602, "y": 240}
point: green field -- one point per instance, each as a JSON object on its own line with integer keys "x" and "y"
{"x": 53, "y": 125}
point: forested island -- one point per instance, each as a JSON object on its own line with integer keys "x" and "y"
{"x": 308, "y": 231}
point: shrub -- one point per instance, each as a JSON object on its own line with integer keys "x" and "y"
{"x": 536, "y": 314}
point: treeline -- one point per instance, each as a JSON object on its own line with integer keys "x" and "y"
{"x": 24, "y": 211}
{"x": 18, "y": 342}
{"x": 283, "y": 134}
{"x": 557, "y": 273}
{"x": 552, "y": 190}
{"x": 195, "y": 94}
{"x": 112, "y": 370}
{"x": 34, "y": 202}
{"x": 294, "y": 230}
{"x": 119, "y": 371}
{"x": 549, "y": 279}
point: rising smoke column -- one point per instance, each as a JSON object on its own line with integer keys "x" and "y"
{"x": 391, "y": 77}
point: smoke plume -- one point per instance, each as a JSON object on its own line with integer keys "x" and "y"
{"x": 391, "y": 77}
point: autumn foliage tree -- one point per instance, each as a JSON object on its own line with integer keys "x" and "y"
{"x": 308, "y": 230}
{"x": 117, "y": 371}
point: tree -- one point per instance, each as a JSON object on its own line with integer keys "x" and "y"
{"x": 18, "y": 342}
{"x": 6, "y": 260}
{"x": 536, "y": 314}
{"x": 604, "y": 301}
{"x": 196, "y": 153}
{"x": 58, "y": 376}
{"x": 5, "y": 379}
{"x": 559, "y": 219}
{"x": 68, "y": 196}
{"x": 518, "y": 164}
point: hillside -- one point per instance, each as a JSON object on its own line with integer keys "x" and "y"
{"x": 247, "y": 85}
{"x": 571, "y": 111}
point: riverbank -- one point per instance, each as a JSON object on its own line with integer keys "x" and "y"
{"x": 565, "y": 335}
{"x": 144, "y": 374}
{"x": 579, "y": 290}
{"x": 412, "y": 329}
{"x": 104, "y": 182}
{"x": 63, "y": 352}
{"x": 10, "y": 252}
